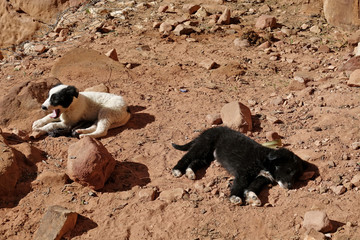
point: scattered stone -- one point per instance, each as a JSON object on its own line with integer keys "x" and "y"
{"x": 338, "y": 190}
{"x": 55, "y": 223}
{"x": 163, "y": 8}
{"x": 64, "y": 32}
{"x": 304, "y": 26}
{"x": 237, "y": 116}
{"x": 98, "y": 88}
{"x": 265, "y": 21}
{"x": 264, "y": 8}
{"x": 273, "y": 119}
{"x": 318, "y": 220}
{"x": 312, "y": 234}
{"x": 272, "y": 136}
{"x": 172, "y": 195}
{"x": 354, "y": 80}
{"x": 89, "y": 163}
{"x": 225, "y": 17}
{"x": 147, "y": 194}
{"x": 60, "y": 39}
{"x": 355, "y": 145}
{"x": 39, "y": 48}
{"x": 356, "y": 51}
{"x": 157, "y": 25}
{"x": 191, "y": 8}
{"x": 202, "y": 13}
{"x": 241, "y": 43}
{"x": 165, "y": 27}
{"x": 49, "y": 178}
{"x": 315, "y": 29}
{"x": 351, "y": 65}
{"x": 356, "y": 180}
{"x": 9, "y": 169}
{"x": 324, "y": 49}
{"x": 143, "y": 48}
{"x": 183, "y": 30}
{"x": 303, "y": 77}
{"x": 1, "y": 56}
{"x": 208, "y": 64}
{"x": 112, "y": 54}
{"x": 214, "y": 119}
{"x": 264, "y": 45}
{"x": 277, "y": 101}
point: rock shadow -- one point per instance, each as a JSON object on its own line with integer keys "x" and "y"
{"x": 125, "y": 176}
{"x": 83, "y": 225}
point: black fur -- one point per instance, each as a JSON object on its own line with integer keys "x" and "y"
{"x": 64, "y": 97}
{"x": 244, "y": 158}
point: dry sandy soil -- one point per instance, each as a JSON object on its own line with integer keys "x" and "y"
{"x": 319, "y": 121}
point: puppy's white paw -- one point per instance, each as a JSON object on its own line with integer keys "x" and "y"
{"x": 37, "y": 124}
{"x": 252, "y": 199}
{"x": 235, "y": 200}
{"x": 190, "y": 174}
{"x": 176, "y": 173}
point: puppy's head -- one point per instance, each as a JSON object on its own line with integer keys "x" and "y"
{"x": 60, "y": 98}
{"x": 285, "y": 167}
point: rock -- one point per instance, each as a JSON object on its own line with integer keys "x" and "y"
{"x": 354, "y": 81}
{"x": 214, "y": 119}
{"x": 157, "y": 25}
{"x": 356, "y": 180}
{"x": 312, "y": 234}
{"x": 172, "y": 195}
{"x": 303, "y": 77}
{"x": 112, "y": 54}
{"x": 50, "y": 179}
{"x": 265, "y": 21}
{"x": 165, "y": 27}
{"x": 318, "y": 220}
{"x": 225, "y": 17}
{"x": 237, "y": 116}
{"x": 307, "y": 176}
{"x": 1, "y": 56}
{"x": 338, "y": 190}
{"x": 39, "y": 48}
{"x": 163, "y": 8}
{"x": 315, "y": 29}
{"x": 208, "y": 64}
{"x": 354, "y": 38}
{"x": 183, "y": 30}
{"x": 277, "y": 101}
{"x": 9, "y": 169}
{"x": 202, "y": 13}
{"x": 340, "y": 13}
{"x": 242, "y": 43}
{"x": 324, "y": 49}
{"x": 64, "y": 32}
{"x": 55, "y": 223}
{"x": 264, "y": 8}
{"x": 29, "y": 152}
{"x": 272, "y": 136}
{"x": 191, "y": 8}
{"x": 60, "y": 39}
{"x": 98, "y": 88}
{"x": 351, "y": 65}
{"x": 264, "y": 45}
{"x": 147, "y": 194}
{"x": 355, "y": 145}
{"x": 89, "y": 163}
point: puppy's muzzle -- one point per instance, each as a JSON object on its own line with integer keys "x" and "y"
{"x": 44, "y": 107}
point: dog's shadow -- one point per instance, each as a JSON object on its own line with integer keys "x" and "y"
{"x": 138, "y": 120}
{"x": 126, "y": 175}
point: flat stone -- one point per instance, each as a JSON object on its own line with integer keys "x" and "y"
{"x": 55, "y": 223}
{"x": 318, "y": 220}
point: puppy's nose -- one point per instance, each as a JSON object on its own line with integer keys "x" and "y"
{"x": 43, "y": 107}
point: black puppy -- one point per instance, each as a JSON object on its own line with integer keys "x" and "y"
{"x": 252, "y": 164}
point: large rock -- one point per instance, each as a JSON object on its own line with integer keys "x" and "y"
{"x": 354, "y": 80}
{"x": 318, "y": 220}
{"x": 55, "y": 223}
{"x": 22, "y": 105}
{"x": 342, "y": 12}
{"x": 237, "y": 116}
{"x": 351, "y": 65}
{"x": 9, "y": 169}
{"x": 89, "y": 163}
{"x": 265, "y": 21}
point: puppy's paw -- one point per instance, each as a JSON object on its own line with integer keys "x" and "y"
{"x": 190, "y": 174}
{"x": 37, "y": 125}
{"x": 252, "y": 199}
{"x": 235, "y": 200}
{"x": 176, "y": 173}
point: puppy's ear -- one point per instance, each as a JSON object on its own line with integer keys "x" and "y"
{"x": 73, "y": 91}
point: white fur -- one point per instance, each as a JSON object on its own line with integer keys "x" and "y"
{"x": 105, "y": 109}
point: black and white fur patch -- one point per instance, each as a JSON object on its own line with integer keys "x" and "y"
{"x": 252, "y": 164}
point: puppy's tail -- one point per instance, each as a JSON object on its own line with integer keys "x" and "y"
{"x": 184, "y": 147}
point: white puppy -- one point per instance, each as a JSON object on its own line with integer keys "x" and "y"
{"x": 70, "y": 107}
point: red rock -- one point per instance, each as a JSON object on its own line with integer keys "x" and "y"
{"x": 354, "y": 80}
{"x": 191, "y": 8}
{"x": 39, "y": 48}
{"x": 147, "y": 194}
{"x": 265, "y": 21}
{"x": 318, "y": 220}
{"x": 89, "y": 163}
{"x": 214, "y": 119}
{"x": 351, "y": 65}
{"x": 9, "y": 169}
{"x": 237, "y": 116}
{"x": 112, "y": 54}
{"x": 55, "y": 223}
{"x": 324, "y": 49}
{"x": 50, "y": 179}
{"x": 172, "y": 195}
{"x": 183, "y": 30}
{"x": 225, "y": 17}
